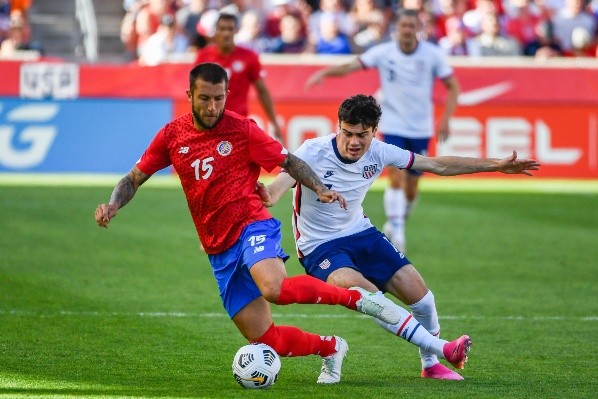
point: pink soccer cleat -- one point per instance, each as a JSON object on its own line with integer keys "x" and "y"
{"x": 440, "y": 372}
{"x": 455, "y": 352}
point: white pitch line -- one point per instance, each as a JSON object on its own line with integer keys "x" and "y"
{"x": 58, "y": 313}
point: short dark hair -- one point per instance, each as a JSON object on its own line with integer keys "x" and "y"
{"x": 227, "y": 17}
{"x": 360, "y": 109}
{"x": 208, "y": 72}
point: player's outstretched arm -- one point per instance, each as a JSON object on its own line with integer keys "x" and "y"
{"x": 299, "y": 170}
{"x": 123, "y": 192}
{"x": 339, "y": 70}
{"x": 451, "y": 166}
{"x": 271, "y": 194}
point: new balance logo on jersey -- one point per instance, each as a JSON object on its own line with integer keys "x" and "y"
{"x": 258, "y": 249}
{"x": 328, "y": 174}
{"x": 325, "y": 264}
{"x": 183, "y": 150}
{"x": 369, "y": 171}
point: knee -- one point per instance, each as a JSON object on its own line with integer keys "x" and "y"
{"x": 271, "y": 291}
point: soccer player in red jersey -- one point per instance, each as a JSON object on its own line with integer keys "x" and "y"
{"x": 218, "y": 155}
{"x": 243, "y": 67}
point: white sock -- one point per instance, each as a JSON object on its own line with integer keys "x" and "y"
{"x": 410, "y": 330}
{"x": 425, "y": 313}
{"x": 395, "y": 208}
{"x": 395, "y": 204}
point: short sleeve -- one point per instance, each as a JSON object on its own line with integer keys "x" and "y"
{"x": 369, "y": 58}
{"x": 263, "y": 149}
{"x": 396, "y": 156}
{"x": 156, "y": 156}
{"x": 442, "y": 68}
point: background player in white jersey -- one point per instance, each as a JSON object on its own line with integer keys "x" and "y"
{"x": 407, "y": 70}
{"x": 343, "y": 248}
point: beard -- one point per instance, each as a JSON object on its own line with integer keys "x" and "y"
{"x": 203, "y": 124}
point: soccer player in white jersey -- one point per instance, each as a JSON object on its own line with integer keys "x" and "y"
{"x": 343, "y": 248}
{"x": 407, "y": 70}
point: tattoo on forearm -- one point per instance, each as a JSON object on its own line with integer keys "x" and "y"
{"x": 125, "y": 189}
{"x": 300, "y": 171}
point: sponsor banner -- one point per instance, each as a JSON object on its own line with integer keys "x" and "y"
{"x": 9, "y": 78}
{"x": 80, "y": 136}
{"x": 481, "y": 83}
{"x": 544, "y": 110}
{"x": 134, "y": 81}
{"x": 40, "y": 80}
{"x": 563, "y": 138}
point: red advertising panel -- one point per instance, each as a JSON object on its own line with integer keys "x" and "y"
{"x": 546, "y": 110}
{"x": 563, "y": 138}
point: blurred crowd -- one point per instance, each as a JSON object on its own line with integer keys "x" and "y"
{"x": 155, "y": 31}
{"x": 15, "y": 30}
{"x": 158, "y": 30}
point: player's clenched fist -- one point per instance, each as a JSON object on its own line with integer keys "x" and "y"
{"x": 104, "y": 213}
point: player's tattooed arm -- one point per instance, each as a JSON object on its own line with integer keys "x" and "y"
{"x": 300, "y": 171}
{"x": 123, "y": 192}
{"x": 126, "y": 188}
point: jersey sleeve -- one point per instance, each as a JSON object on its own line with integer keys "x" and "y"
{"x": 156, "y": 156}
{"x": 369, "y": 58}
{"x": 442, "y": 69}
{"x": 396, "y": 156}
{"x": 263, "y": 149}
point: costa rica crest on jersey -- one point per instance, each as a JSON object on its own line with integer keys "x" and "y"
{"x": 369, "y": 171}
{"x": 224, "y": 148}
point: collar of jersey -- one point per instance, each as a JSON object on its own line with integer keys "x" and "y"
{"x": 338, "y": 154}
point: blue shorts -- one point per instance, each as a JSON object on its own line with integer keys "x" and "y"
{"x": 258, "y": 241}
{"x": 369, "y": 252}
{"x": 418, "y": 146}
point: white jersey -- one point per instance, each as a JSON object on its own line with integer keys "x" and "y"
{"x": 314, "y": 222}
{"x": 407, "y": 81}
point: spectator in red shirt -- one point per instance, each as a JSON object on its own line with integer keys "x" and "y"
{"x": 243, "y": 68}
{"x": 522, "y": 25}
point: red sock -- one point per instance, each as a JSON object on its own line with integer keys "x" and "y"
{"x": 292, "y": 341}
{"x": 307, "y": 289}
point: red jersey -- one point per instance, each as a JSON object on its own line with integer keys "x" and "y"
{"x": 219, "y": 169}
{"x": 243, "y": 68}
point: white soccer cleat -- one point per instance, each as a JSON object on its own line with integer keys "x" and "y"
{"x": 377, "y": 305}
{"x": 332, "y": 364}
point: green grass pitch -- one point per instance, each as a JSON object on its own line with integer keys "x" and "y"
{"x": 133, "y": 311}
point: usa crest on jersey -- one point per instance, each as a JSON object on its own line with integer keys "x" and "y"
{"x": 369, "y": 171}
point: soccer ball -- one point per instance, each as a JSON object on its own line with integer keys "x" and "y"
{"x": 256, "y": 366}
